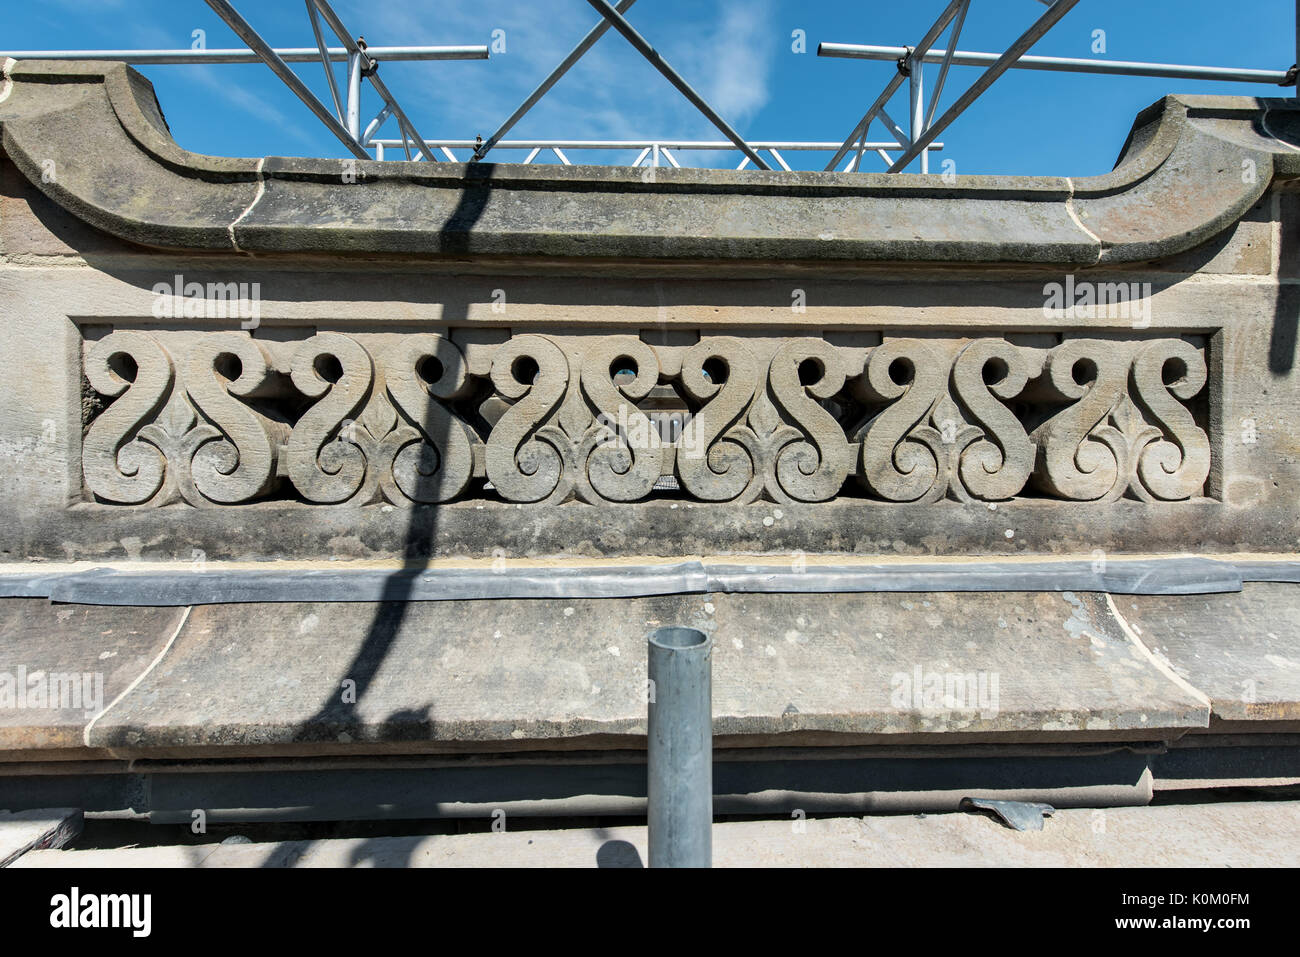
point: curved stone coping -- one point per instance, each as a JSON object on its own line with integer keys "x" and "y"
{"x": 162, "y": 587}
{"x": 1179, "y": 182}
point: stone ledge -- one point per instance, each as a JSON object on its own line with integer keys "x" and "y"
{"x": 1177, "y": 184}
{"x": 555, "y": 674}
{"x": 855, "y": 529}
{"x": 117, "y": 644}
{"x": 519, "y": 675}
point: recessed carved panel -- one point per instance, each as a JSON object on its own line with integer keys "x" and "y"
{"x": 223, "y": 418}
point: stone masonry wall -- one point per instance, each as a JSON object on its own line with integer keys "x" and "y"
{"x": 254, "y": 359}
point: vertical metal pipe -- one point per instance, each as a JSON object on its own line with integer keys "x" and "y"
{"x": 917, "y": 125}
{"x": 354, "y": 94}
{"x": 680, "y": 760}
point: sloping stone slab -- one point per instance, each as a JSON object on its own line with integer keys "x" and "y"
{"x": 514, "y": 674}
{"x": 1242, "y": 650}
{"x": 61, "y": 665}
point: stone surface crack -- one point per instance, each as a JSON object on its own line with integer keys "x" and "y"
{"x": 1158, "y": 661}
{"x": 1263, "y": 121}
{"x": 140, "y": 677}
{"x": 1074, "y": 215}
{"x": 261, "y": 190}
{"x": 7, "y": 86}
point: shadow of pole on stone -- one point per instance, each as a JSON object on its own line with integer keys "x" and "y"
{"x": 335, "y": 716}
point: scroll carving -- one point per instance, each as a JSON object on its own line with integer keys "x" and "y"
{"x": 327, "y": 462}
{"x": 526, "y": 458}
{"x": 119, "y": 467}
{"x": 220, "y": 418}
{"x": 430, "y": 456}
{"x": 996, "y": 466}
{"x": 623, "y": 455}
{"x": 716, "y": 457}
{"x": 901, "y": 452}
{"x": 813, "y": 467}
{"x": 1081, "y": 455}
{"x": 1175, "y": 465}
{"x": 231, "y": 457}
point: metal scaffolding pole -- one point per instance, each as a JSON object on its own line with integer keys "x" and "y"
{"x": 345, "y": 121}
{"x": 325, "y": 58}
{"x": 953, "y": 36}
{"x": 646, "y": 144}
{"x": 369, "y": 69}
{"x": 855, "y": 51}
{"x": 1026, "y": 40}
{"x": 860, "y": 130}
{"x": 289, "y": 78}
{"x": 288, "y": 55}
{"x": 916, "y": 85}
{"x": 646, "y": 148}
{"x": 354, "y": 95}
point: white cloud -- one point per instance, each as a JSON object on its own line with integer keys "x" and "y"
{"x": 736, "y": 59}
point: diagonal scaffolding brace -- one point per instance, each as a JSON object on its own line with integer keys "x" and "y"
{"x": 643, "y": 47}
{"x": 923, "y": 127}
{"x": 345, "y": 121}
{"x": 986, "y": 79}
{"x": 927, "y": 41}
{"x": 544, "y": 87}
{"x": 325, "y": 59}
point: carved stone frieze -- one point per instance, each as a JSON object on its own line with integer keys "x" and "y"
{"x": 224, "y": 418}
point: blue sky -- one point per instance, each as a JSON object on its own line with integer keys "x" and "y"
{"x": 738, "y": 53}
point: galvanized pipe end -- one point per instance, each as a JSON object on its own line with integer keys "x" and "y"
{"x": 677, "y": 638}
{"x": 679, "y": 761}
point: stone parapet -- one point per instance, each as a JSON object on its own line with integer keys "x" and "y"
{"x": 754, "y": 401}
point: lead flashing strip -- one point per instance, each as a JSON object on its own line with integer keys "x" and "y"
{"x": 105, "y": 586}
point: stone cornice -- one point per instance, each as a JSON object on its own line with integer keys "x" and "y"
{"x": 1191, "y": 168}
